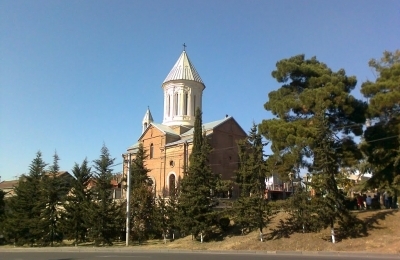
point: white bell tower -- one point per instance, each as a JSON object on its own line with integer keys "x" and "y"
{"x": 183, "y": 92}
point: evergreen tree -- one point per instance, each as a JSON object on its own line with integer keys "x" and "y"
{"x": 142, "y": 197}
{"x": 53, "y": 195}
{"x": 2, "y": 213}
{"x": 166, "y": 216}
{"x": 196, "y": 199}
{"x": 78, "y": 202}
{"x": 301, "y": 209}
{"x": 382, "y": 138}
{"x": 330, "y": 200}
{"x": 103, "y": 214}
{"x": 251, "y": 211}
{"x": 23, "y": 217}
{"x": 161, "y": 215}
{"x": 316, "y": 121}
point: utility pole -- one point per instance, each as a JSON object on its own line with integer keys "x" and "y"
{"x": 128, "y": 200}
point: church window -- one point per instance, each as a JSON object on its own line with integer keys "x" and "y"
{"x": 171, "y": 163}
{"x": 169, "y": 106}
{"x": 151, "y": 151}
{"x": 186, "y": 104}
{"x": 171, "y": 184}
{"x": 145, "y": 125}
{"x": 194, "y": 105}
{"x": 176, "y": 104}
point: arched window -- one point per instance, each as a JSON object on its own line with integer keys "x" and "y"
{"x": 176, "y": 104}
{"x": 186, "y": 104}
{"x": 151, "y": 151}
{"x": 171, "y": 184}
{"x": 194, "y": 105}
{"x": 169, "y": 106}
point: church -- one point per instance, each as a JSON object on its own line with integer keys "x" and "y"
{"x": 168, "y": 144}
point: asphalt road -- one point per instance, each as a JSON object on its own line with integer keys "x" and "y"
{"x": 33, "y": 255}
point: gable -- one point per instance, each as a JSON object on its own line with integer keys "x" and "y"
{"x": 230, "y": 126}
{"x": 150, "y": 133}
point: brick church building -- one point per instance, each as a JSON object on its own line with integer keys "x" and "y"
{"x": 169, "y": 144}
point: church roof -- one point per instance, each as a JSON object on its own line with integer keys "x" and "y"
{"x": 165, "y": 129}
{"x": 134, "y": 146}
{"x": 208, "y": 126}
{"x": 187, "y": 136}
{"x": 183, "y": 69}
{"x": 148, "y": 117}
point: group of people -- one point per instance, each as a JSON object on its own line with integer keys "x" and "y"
{"x": 365, "y": 201}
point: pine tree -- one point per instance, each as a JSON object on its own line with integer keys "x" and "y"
{"x": 142, "y": 197}
{"x": 23, "y": 217}
{"x": 314, "y": 111}
{"x": 251, "y": 210}
{"x": 78, "y": 202}
{"x": 53, "y": 195}
{"x": 196, "y": 199}
{"x": 382, "y": 136}
{"x": 103, "y": 214}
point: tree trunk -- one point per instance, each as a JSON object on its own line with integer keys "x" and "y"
{"x": 333, "y": 232}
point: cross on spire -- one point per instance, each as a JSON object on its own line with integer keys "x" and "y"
{"x": 184, "y": 47}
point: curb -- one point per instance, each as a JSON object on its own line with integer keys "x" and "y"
{"x": 183, "y": 251}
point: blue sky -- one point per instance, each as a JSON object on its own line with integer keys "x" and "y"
{"x": 76, "y": 74}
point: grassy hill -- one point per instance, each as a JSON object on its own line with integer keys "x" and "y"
{"x": 383, "y": 237}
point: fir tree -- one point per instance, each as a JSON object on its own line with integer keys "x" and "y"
{"x": 197, "y": 189}
{"x": 23, "y": 217}
{"x": 330, "y": 201}
{"x": 103, "y": 214}
{"x": 166, "y": 215}
{"x": 53, "y": 195}
{"x": 2, "y": 212}
{"x": 78, "y": 202}
{"x": 142, "y": 197}
{"x": 251, "y": 209}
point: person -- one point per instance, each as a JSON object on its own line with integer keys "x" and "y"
{"x": 368, "y": 201}
{"x": 377, "y": 199}
{"x": 360, "y": 202}
{"x": 390, "y": 201}
{"x": 364, "y": 201}
{"x": 386, "y": 198}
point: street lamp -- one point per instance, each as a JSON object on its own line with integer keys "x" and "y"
{"x": 128, "y": 200}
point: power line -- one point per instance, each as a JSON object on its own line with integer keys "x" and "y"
{"x": 385, "y": 138}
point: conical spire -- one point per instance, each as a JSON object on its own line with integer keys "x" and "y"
{"x": 183, "y": 70}
{"x": 147, "y": 119}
